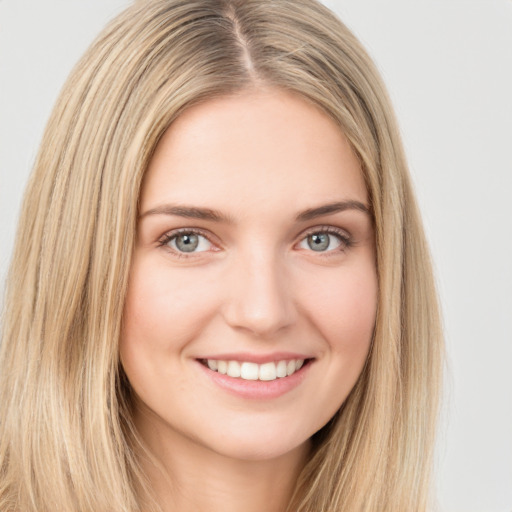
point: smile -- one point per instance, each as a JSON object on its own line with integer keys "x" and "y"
{"x": 253, "y": 371}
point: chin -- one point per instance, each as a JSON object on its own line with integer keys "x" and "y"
{"x": 250, "y": 452}
{"x": 258, "y": 445}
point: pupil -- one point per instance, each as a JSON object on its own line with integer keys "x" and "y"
{"x": 187, "y": 242}
{"x": 318, "y": 241}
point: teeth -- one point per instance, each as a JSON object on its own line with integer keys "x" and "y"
{"x": 222, "y": 367}
{"x": 233, "y": 369}
{"x": 268, "y": 371}
{"x": 281, "y": 369}
{"x": 254, "y": 371}
{"x": 249, "y": 371}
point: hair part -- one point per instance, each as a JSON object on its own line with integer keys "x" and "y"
{"x": 65, "y": 418}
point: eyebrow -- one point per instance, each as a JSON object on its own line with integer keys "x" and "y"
{"x": 327, "y": 209}
{"x": 194, "y": 212}
{"x": 189, "y": 212}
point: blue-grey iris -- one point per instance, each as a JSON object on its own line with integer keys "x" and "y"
{"x": 187, "y": 242}
{"x": 318, "y": 241}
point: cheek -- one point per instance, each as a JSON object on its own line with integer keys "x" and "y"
{"x": 344, "y": 314}
{"x": 164, "y": 310}
{"x": 344, "y": 310}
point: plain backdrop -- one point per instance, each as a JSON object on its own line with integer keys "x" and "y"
{"x": 448, "y": 67}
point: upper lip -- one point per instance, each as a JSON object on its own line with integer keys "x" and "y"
{"x": 256, "y": 358}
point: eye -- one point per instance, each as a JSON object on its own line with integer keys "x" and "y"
{"x": 187, "y": 242}
{"x": 325, "y": 241}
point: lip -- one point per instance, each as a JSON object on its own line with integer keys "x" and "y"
{"x": 256, "y": 389}
{"x": 256, "y": 358}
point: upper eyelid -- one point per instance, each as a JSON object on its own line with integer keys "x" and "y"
{"x": 168, "y": 235}
{"x": 325, "y": 229}
{"x": 206, "y": 233}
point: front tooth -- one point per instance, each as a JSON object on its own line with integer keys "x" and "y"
{"x": 249, "y": 371}
{"x": 268, "y": 371}
{"x": 212, "y": 364}
{"x": 281, "y": 369}
{"x": 233, "y": 369}
{"x": 290, "y": 369}
{"x": 298, "y": 364}
{"x": 222, "y": 367}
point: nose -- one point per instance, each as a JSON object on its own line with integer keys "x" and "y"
{"x": 260, "y": 299}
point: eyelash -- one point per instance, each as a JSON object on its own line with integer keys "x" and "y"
{"x": 345, "y": 240}
{"x": 171, "y": 235}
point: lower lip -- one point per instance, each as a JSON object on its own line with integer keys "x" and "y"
{"x": 257, "y": 389}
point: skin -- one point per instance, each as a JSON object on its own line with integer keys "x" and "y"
{"x": 254, "y": 286}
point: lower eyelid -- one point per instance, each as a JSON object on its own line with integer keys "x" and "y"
{"x": 342, "y": 244}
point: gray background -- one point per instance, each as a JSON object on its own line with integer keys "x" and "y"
{"x": 447, "y": 64}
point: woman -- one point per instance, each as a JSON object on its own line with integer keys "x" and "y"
{"x": 220, "y": 294}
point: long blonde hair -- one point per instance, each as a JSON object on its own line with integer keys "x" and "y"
{"x": 67, "y": 442}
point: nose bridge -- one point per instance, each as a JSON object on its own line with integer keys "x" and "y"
{"x": 260, "y": 296}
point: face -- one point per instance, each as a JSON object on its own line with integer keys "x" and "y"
{"x": 253, "y": 290}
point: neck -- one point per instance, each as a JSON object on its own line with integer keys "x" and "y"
{"x": 186, "y": 476}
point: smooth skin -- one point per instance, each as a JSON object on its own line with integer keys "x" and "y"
{"x": 235, "y": 254}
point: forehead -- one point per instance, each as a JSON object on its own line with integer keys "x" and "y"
{"x": 266, "y": 148}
